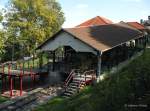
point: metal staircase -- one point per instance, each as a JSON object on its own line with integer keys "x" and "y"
{"x": 77, "y": 81}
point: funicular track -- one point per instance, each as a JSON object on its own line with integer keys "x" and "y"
{"x": 31, "y": 100}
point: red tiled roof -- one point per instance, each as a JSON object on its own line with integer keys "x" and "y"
{"x": 96, "y": 21}
{"x": 136, "y": 25}
{"x": 101, "y": 37}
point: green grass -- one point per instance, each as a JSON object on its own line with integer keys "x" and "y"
{"x": 111, "y": 94}
{"x": 2, "y": 99}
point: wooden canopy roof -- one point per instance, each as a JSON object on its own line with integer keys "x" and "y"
{"x": 102, "y": 37}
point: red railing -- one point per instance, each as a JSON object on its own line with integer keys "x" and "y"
{"x": 69, "y": 78}
{"x": 90, "y": 72}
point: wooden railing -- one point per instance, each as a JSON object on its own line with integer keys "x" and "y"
{"x": 83, "y": 82}
{"x": 90, "y": 72}
{"x": 70, "y": 77}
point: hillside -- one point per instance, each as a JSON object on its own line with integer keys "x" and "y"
{"x": 123, "y": 91}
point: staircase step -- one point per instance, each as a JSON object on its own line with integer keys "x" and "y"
{"x": 81, "y": 79}
{"x": 147, "y": 94}
{"x": 67, "y": 94}
{"x": 72, "y": 92}
{"x": 74, "y": 84}
{"x": 72, "y": 89}
{"x": 75, "y": 81}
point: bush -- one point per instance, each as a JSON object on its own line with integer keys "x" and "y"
{"x": 113, "y": 93}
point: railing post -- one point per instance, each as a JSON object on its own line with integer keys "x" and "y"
{"x": 68, "y": 79}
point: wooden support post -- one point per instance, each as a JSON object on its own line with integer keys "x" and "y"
{"x": 11, "y": 86}
{"x": 2, "y": 78}
{"x": 2, "y": 84}
{"x": 5, "y": 79}
{"x": 14, "y": 82}
{"x": 28, "y": 64}
{"x": 53, "y": 61}
{"x": 21, "y": 72}
{"x": 9, "y": 72}
{"x": 98, "y": 66}
{"x": 16, "y": 66}
{"x": 10, "y": 80}
{"x": 41, "y": 61}
{"x": 31, "y": 76}
{"x": 33, "y": 60}
{"x": 34, "y": 80}
{"x": 23, "y": 67}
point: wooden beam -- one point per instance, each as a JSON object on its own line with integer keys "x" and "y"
{"x": 54, "y": 57}
{"x": 21, "y": 72}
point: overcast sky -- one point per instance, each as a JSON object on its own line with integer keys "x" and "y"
{"x": 77, "y": 11}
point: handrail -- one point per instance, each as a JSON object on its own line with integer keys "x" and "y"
{"x": 72, "y": 73}
{"x": 69, "y": 78}
{"x": 90, "y": 72}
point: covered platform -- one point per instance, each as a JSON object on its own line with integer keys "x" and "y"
{"x": 99, "y": 46}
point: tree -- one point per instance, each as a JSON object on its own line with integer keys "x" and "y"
{"x": 2, "y": 37}
{"x": 30, "y": 22}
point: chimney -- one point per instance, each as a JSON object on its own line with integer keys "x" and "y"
{"x": 141, "y": 21}
{"x": 148, "y": 17}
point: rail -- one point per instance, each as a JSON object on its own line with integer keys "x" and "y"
{"x": 83, "y": 82}
{"x": 69, "y": 78}
{"x": 90, "y": 72}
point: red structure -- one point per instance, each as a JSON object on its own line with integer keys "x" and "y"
{"x": 11, "y": 75}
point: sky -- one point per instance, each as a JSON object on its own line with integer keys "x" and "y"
{"x": 78, "y": 11}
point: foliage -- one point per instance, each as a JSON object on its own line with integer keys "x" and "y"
{"x": 112, "y": 93}
{"x": 2, "y": 37}
{"x": 2, "y": 99}
{"x": 29, "y": 23}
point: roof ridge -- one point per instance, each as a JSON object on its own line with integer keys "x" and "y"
{"x": 98, "y": 20}
{"x": 102, "y": 19}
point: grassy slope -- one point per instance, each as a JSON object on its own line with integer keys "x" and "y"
{"x": 3, "y": 99}
{"x": 111, "y": 94}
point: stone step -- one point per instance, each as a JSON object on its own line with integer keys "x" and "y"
{"x": 74, "y": 84}
{"x": 88, "y": 76}
{"x": 68, "y": 94}
{"x": 81, "y": 79}
{"x": 147, "y": 94}
{"x": 76, "y": 81}
{"x": 72, "y": 89}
